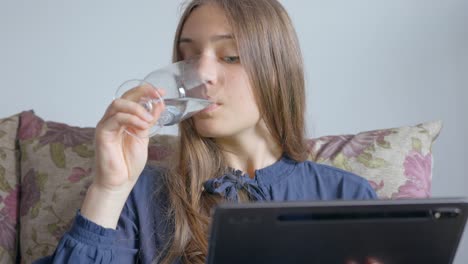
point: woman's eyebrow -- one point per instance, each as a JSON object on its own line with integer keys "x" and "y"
{"x": 214, "y": 38}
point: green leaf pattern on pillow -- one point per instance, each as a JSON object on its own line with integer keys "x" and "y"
{"x": 57, "y": 153}
{"x": 83, "y": 151}
{"x": 4, "y": 185}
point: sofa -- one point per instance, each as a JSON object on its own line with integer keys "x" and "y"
{"x": 46, "y": 167}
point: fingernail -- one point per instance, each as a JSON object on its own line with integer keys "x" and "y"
{"x": 148, "y": 117}
{"x": 157, "y": 101}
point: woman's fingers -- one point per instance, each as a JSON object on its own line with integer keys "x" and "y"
{"x": 147, "y": 97}
{"x": 143, "y": 91}
{"x": 129, "y": 107}
{"x": 119, "y": 120}
{"x": 137, "y": 109}
{"x": 128, "y": 114}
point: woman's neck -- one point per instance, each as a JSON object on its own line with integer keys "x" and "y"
{"x": 250, "y": 150}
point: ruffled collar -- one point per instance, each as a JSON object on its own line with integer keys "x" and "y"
{"x": 228, "y": 185}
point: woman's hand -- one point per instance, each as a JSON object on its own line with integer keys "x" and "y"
{"x": 120, "y": 157}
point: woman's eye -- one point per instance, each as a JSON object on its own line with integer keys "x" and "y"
{"x": 231, "y": 59}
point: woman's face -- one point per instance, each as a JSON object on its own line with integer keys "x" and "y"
{"x": 206, "y": 33}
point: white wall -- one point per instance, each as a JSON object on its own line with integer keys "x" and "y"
{"x": 370, "y": 64}
{"x": 374, "y": 64}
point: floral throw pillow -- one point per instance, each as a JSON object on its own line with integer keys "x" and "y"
{"x": 9, "y": 186}
{"x": 397, "y": 162}
{"x": 56, "y": 170}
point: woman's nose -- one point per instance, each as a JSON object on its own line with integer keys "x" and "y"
{"x": 208, "y": 79}
{"x": 209, "y": 70}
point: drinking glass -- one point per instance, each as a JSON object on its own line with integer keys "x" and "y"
{"x": 187, "y": 89}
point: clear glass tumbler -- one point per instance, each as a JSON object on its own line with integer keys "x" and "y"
{"x": 187, "y": 86}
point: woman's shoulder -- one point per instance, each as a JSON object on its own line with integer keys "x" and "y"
{"x": 329, "y": 171}
{"x": 348, "y": 183}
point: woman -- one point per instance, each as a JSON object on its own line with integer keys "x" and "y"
{"x": 249, "y": 146}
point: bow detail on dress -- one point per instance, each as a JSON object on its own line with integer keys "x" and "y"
{"x": 228, "y": 185}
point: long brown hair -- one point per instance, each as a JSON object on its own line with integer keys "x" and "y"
{"x": 270, "y": 54}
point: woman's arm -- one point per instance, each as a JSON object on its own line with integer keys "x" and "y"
{"x": 87, "y": 242}
{"x": 120, "y": 158}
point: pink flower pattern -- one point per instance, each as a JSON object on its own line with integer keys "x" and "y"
{"x": 30, "y": 125}
{"x": 67, "y": 135}
{"x": 78, "y": 173}
{"x": 30, "y": 192}
{"x": 9, "y": 219}
{"x": 418, "y": 173}
{"x": 8, "y": 231}
{"x": 350, "y": 145}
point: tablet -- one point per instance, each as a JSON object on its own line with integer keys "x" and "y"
{"x": 392, "y": 231}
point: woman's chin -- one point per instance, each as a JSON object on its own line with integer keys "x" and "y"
{"x": 210, "y": 128}
{"x": 209, "y": 132}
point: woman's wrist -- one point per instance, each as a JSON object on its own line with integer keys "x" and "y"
{"x": 103, "y": 206}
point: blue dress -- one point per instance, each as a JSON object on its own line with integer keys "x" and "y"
{"x": 142, "y": 227}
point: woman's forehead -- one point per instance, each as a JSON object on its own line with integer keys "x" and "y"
{"x": 205, "y": 23}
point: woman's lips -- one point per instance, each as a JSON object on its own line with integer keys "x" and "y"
{"x": 210, "y": 108}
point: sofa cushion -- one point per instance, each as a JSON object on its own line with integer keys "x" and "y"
{"x": 9, "y": 189}
{"x": 397, "y": 162}
{"x": 57, "y": 168}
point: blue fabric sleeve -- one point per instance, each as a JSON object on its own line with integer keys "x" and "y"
{"x": 140, "y": 232}
{"x": 365, "y": 192}
{"x": 87, "y": 242}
